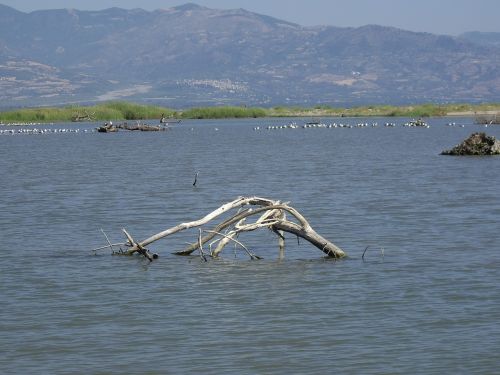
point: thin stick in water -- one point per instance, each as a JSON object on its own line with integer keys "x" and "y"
{"x": 107, "y": 239}
{"x": 363, "y": 256}
{"x": 200, "y": 245}
{"x": 250, "y": 254}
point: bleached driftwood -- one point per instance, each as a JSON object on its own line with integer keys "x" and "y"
{"x": 270, "y": 214}
{"x": 140, "y": 249}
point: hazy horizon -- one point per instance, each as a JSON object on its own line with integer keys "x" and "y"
{"x": 450, "y": 17}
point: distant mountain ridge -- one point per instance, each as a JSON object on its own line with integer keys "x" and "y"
{"x": 191, "y": 55}
{"x": 484, "y": 38}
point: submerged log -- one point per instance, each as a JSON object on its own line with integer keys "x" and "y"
{"x": 279, "y": 217}
{"x": 111, "y": 128}
{"x": 476, "y": 144}
{"x": 141, "y": 127}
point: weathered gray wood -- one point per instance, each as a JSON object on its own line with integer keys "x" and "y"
{"x": 229, "y": 222}
{"x": 329, "y": 248}
{"x": 281, "y": 238}
{"x": 140, "y": 249}
{"x": 230, "y": 237}
{"x": 200, "y": 246}
{"x": 239, "y": 202}
{"x": 271, "y": 214}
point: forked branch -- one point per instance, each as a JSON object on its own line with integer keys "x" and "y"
{"x": 269, "y": 214}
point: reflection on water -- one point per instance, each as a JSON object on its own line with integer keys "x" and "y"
{"x": 428, "y": 304}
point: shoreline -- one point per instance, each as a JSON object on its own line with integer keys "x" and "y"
{"x": 125, "y": 111}
{"x": 305, "y": 118}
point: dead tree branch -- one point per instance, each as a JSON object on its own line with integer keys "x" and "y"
{"x": 266, "y": 213}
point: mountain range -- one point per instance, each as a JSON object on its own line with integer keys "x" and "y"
{"x": 191, "y": 55}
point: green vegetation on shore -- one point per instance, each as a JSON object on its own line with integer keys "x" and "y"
{"x": 100, "y": 112}
{"x": 122, "y": 111}
{"x": 223, "y": 112}
{"x": 421, "y": 110}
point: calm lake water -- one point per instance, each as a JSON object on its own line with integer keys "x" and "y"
{"x": 425, "y": 300}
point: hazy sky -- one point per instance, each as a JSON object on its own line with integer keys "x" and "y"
{"x": 436, "y": 16}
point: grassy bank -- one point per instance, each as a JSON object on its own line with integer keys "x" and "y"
{"x": 122, "y": 111}
{"x": 421, "y": 110}
{"x": 100, "y": 112}
{"x": 223, "y": 112}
